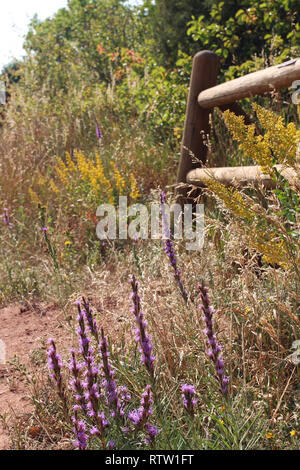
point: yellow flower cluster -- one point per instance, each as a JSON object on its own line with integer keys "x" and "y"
{"x": 279, "y": 142}
{"x": 120, "y": 182}
{"x": 84, "y": 166}
{"x": 98, "y": 179}
{"x": 278, "y": 145}
{"x": 254, "y": 147}
{"x": 70, "y": 164}
{"x": 273, "y": 251}
{"x": 266, "y": 242}
{"x": 232, "y": 199}
{"x": 62, "y": 171}
{"x": 54, "y": 187}
{"x": 34, "y": 197}
{"x": 134, "y": 190}
{"x": 86, "y": 170}
{"x": 93, "y": 174}
{"x": 282, "y": 140}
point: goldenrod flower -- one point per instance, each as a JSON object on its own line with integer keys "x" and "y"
{"x": 252, "y": 146}
{"x": 232, "y": 199}
{"x": 70, "y": 164}
{"x": 54, "y": 187}
{"x": 83, "y": 164}
{"x": 134, "y": 190}
{"x": 120, "y": 182}
{"x": 282, "y": 140}
{"x": 34, "y": 197}
{"x": 62, "y": 171}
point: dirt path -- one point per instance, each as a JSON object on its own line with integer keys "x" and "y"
{"x": 23, "y": 328}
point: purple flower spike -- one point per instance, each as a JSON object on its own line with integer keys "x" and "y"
{"x": 92, "y": 390}
{"x": 152, "y": 433}
{"x": 55, "y": 365}
{"x": 188, "y": 392}
{"x": 214, "y": 348}
{"x": 141, "y": 416}
{"x": 109, "y": 382}
{"x": 76, "y": 384}
{"x": 84, "y": 341}
{"x": 90, "y": 320}
{"x": 6, "y": 218}
{"x": 111, "y": 445}
{"x": 141, "y": 337}
{"x": 98, "y": 131}
{"x": 169, "y": 248}
{"x": 80, "y": 433}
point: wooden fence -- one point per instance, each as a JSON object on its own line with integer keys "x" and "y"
{"x": 204, "y": 95}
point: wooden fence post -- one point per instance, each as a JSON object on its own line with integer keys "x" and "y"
{"x": 204, "y": 75}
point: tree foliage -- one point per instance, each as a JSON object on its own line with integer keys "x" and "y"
{"x": 240, "y": 31}
{"x": 168, "y": 20}
{"x": 137, "y": 59}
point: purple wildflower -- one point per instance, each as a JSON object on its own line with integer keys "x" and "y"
{"x": 76, "y": 384}
{"x": 90, "y": 320}
{"x": 94, "y": 431}
{"x": 55, "y": 365}
{"x": 80, "y": 432}
{"x": 140, "y": 416}
{"x": 214, "y": 348}
{"x": 141, "y": 337}
{"x": 90, "y": 387}
{"x": 111, "y": 445}
{"x": 98, "y": 131}
{"x": 152, "y": 432}
{"x": 6, "y": 218}
{"x": 188, "y": 392}
{"x": 169, "y": 248}
{"x": 109, "y": 382}
{"x": 99, "y": 429}
{"x": 84, "y": 341}
{"x": 92, "y": 390}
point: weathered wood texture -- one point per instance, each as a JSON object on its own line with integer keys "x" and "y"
{"x": 256, "y": 83}
{"x": 240, "y": 176}
{"x": 204, "y": 75}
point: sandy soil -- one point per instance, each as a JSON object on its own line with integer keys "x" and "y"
{"x": 23, "y": 327}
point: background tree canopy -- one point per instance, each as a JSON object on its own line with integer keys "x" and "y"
{"x": 143, "y": 54}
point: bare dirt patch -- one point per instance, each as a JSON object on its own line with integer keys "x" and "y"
{"x": 24, "y": 327}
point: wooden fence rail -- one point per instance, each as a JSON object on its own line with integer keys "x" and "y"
{"x": 204, "y": 95}
{"x": 240, "y": 175}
